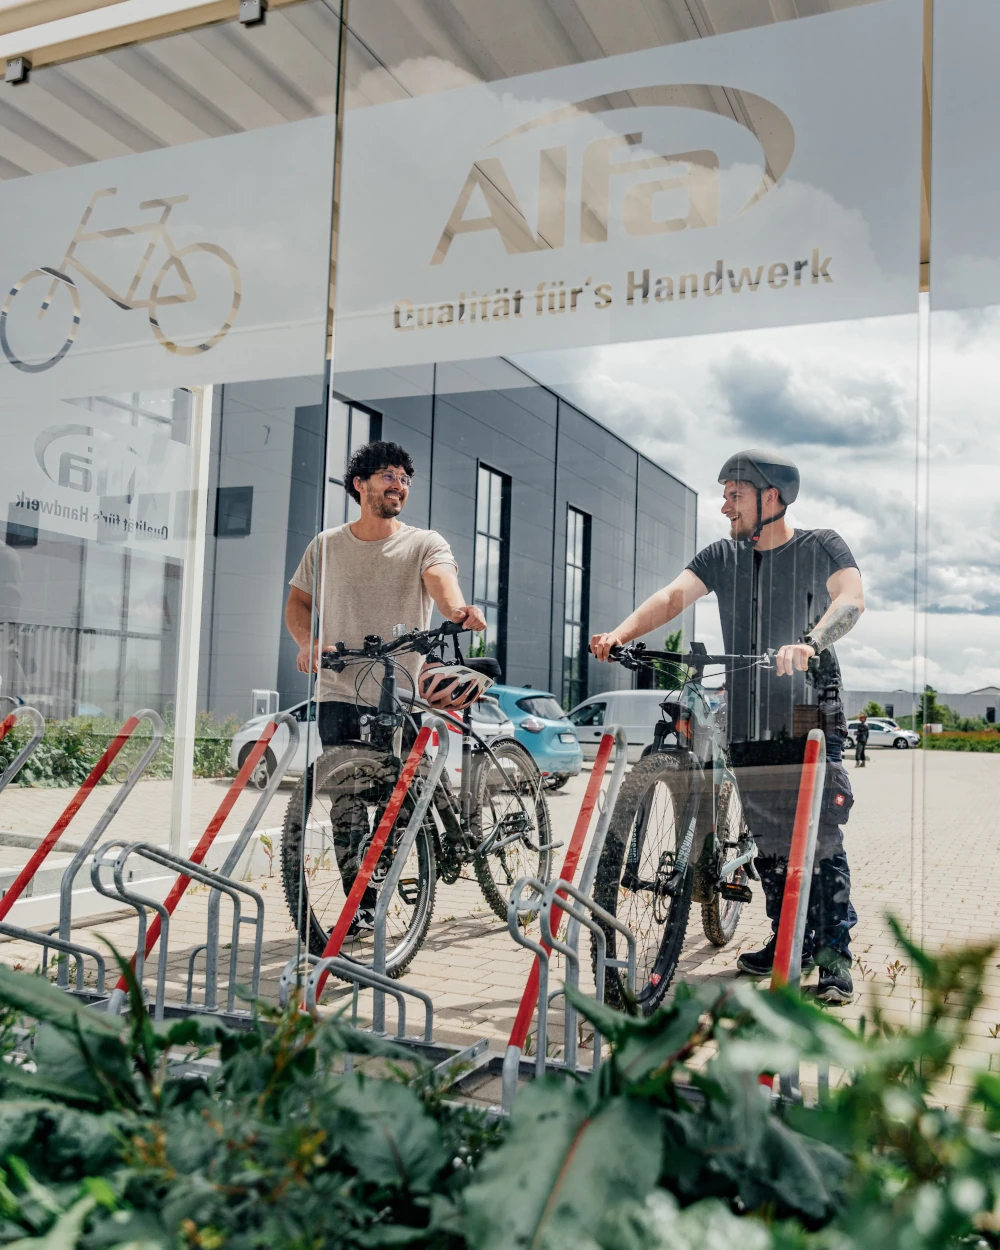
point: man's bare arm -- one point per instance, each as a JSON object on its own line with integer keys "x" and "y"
{"x": 659, "y": 609}
{"x": 847, "y": 602}
{"x": 441, "y": 581}
{"x": 299, "y": 620}
{"x": 847, "y": 596}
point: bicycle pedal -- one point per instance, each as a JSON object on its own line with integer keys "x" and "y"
{"x": 409, "y": 890}
{"x": 735, "y": 893}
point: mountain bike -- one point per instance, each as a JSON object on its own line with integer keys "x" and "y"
{"x": 177, "y": 266}
{"x": 498, "y": 823}
{"x": 678, "y": 833}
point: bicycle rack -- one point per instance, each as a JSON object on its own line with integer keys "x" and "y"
{"x": 19, "y": 760}
{"x": 63, "y": 942}
{"x": 795, "y": 900}
{"x": 191, "y": 868}
{"x": 536, "y": 989}
{"x": 453, "y": 1060}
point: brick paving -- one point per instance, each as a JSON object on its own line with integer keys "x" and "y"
{"x": 936, "y": 874}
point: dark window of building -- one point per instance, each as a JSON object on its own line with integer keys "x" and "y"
{"x": 349, "y": 426}
{"x": 575, "y": 607}
{"x": 233, "y": 511}
{"x": 489, "y": 587}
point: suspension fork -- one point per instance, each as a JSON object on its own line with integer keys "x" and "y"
{"x": 466, "y": 788}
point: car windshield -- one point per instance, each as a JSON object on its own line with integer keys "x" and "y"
{"x": 589, "y": 714}
{"x": 543, "y": 705}
{"x": 488, "y": 710}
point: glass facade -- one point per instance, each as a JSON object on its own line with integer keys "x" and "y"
{"x": 571, "y": 259}
{"x": 577, "y": 598}
{"x": 490, "y": 580}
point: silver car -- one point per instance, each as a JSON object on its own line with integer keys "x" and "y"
{"x": 884, "y": 732}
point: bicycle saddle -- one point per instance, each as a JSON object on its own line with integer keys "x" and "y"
{"x": 486, "y": 665}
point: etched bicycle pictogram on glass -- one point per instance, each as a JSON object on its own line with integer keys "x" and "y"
{"x": 58, "y": 279}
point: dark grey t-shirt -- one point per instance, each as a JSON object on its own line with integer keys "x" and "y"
{"x": 768, "y": 599}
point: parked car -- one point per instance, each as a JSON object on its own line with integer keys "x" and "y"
{"x": 884, "y": 732}
{"x": 637, "y": 711}
{"x": 487, "y": 720}
{"x": 543, "y": 729}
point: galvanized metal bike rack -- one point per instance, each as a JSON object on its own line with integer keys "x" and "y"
{"x": 190, "y": 869}
{"x": 63, "y": 943}
{"x": 543, "y": 900}
{"x": 315, "y": 969}
{"x": 21, "y": 758}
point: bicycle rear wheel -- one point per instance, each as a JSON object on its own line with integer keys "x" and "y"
{"x": 719, "y": 916}
{"x": 510, "y": 822}
{"x": 342, "y": 799}
{"x": 637, "y": 876}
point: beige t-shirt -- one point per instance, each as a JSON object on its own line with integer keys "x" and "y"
{"x": 367, "y": 588}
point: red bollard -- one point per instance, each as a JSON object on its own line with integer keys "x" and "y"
{"x": 529, "y": 999}
{"x": 798, "y": 875}
{"x": 353, "y": 900}
{"x": 52, "y": 837}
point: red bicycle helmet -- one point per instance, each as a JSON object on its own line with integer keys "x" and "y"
{"x": 451, "y": 687}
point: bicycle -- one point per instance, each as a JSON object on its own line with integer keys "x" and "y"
{"x": 59, "y": 279}
{"x": 678, "y": 832}
{"x": 498, "y": 822}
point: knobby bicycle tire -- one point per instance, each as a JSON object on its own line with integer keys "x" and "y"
{"x": 633, "y": 854}
{"x": 345, "y": 780}
{"x": 493, "y": 799}
{"x": 719, "y": 917}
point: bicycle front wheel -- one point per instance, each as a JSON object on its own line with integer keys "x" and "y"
{"x": 640, "y": 879}
{"x": 510, "y": 822}
{"x": 332, "y": 816}
{"x": 719, "y": 916}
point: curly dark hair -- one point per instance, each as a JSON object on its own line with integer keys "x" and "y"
{"x": 373, "y": 458}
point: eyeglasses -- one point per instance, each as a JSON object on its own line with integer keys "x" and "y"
{"x": 391, "y": 479}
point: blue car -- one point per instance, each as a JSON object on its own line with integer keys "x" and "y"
{"x": 543, "y": 729}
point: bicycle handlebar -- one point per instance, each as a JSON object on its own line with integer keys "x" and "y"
{"x": 633, "y": 655}
{"x": 375, "y": 648}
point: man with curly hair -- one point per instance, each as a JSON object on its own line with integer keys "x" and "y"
{"x": 371, "y": 574}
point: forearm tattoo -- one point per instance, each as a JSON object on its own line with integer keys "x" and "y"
{"x": 842, "y": 621}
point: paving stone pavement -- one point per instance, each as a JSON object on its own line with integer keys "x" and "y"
{"x": 923, "y": 842}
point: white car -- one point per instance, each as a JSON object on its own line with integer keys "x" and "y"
{"x": 884, "y": 732}
{"x": 637, "y": 711}
{"x": 487, "y": 720}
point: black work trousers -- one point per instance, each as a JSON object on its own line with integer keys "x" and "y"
{"x": 770, "y": 795}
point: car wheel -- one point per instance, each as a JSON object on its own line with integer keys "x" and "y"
{"x": 901, "y": 744}
{"x": 264, "y": 771}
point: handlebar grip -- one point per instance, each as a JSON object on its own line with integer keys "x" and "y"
{"x": 615, "y": 653}
{"x": 453, "y": 627}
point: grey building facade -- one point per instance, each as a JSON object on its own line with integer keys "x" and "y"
{"x": 579, "y": 526}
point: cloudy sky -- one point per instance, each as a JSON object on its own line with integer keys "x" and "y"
{"x": 846, "y": 401}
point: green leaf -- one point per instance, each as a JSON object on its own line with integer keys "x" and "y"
{"x": 396, "y": 1142}
{"x": 64, "y": 1233}
{"x": 42, "y": 1001}
{"x": 563, "y": 1163}
{"x": 660, "y": 1224}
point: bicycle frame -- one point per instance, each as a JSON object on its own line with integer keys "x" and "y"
{"x": 159, "y": 232}
{"x": 387, "y": 736}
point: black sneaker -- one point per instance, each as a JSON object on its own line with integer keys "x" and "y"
{"x": 363, "y": 922}
{"x": 835, "y": 986}
{"x": 759, "y": 963}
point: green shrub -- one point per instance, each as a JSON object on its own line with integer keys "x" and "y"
{"x": 71, "y": 748}
{"x": 103, "y": 1146}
